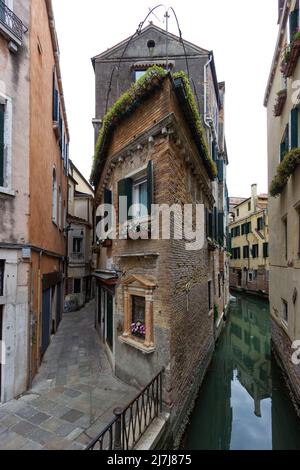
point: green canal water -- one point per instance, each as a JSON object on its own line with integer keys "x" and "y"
{"x": 243, "y": 403}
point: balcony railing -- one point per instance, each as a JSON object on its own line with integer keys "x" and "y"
{"x": 10, "y": 24}
{"x": 129, "y": 424}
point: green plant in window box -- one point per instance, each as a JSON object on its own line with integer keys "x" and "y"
{"x": 284, "y": 171}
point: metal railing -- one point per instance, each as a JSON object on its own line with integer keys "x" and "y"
{"x": 130, "y": 423}
{"x": 11, "y": 21}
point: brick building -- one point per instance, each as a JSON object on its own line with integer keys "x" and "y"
{"x": 155, "y": 154}
{"x": 33, "y": 189}
{"x": 249, "y": 234}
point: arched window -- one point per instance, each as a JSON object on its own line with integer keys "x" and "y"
{"x": 54, "y": 197}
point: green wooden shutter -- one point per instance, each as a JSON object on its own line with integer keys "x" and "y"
{"x": 125, "y": 189}
{"x": 2, "y": 109}
{"x": 210, "y": 225}
{"x": 215, "y": 224}
{"x": 294, "y": 128}
{"x": 150, "y": 186}
{"x": 221, "y": 228}
{"x": 294, "y": 20}
{"x": 220, "y": 164}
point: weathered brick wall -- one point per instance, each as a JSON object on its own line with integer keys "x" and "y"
{"x": 281, "y": 345}
{"x": 183, "y": 325}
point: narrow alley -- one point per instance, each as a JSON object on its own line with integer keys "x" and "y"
{"x": 73, "y": 396}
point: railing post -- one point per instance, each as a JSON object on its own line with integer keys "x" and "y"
{"x": 118, "y": 428}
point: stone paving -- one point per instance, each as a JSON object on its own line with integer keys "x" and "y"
{"x": 73, "y": 396}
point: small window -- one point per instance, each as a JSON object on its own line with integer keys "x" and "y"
{"x": 238, "y": 212}
{"x": 138, "y": 325}
{"x": 285, "y": 312}
{"x": 266, "y": 250}
{"x": 255, "y": 251}
{"x": 246, "y": 252}
{"x": 140, "y": 198}
{"x": 219, "y": 285}
{"x": 260, "y": 223}
{"x": 209, "y": 295}
{"x": 249, "y": 206}
{"x": 138, "y": 74}
{"x": 250, "y": 276}
{"x": 77, "y": 245}
{"x": 77, "y": 286}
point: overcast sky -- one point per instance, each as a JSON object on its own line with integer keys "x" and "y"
{"x": 242, "y": 35}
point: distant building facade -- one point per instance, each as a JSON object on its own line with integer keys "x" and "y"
{"x": 33, "y": 189}
{"x": 282, "y": 102}
{"x": 80, "y": 239}
{"x": 249, "y": 233}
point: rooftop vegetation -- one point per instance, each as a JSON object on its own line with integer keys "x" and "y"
{"x": 130, "y": 100}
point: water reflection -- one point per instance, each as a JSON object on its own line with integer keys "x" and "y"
{"x": 243, "y": 403}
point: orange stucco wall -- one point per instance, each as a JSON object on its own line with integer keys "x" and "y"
{"x": 44, "y": 147}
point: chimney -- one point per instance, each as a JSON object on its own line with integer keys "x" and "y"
{"x": 253, "y": 197}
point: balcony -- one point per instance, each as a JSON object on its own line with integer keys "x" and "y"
{"x": 291, "y": 56}
{"x": 280, "y": 102}
{"x": 10, "y": 25}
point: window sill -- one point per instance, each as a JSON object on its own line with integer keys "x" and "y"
{"x": 135, "y": 344}
{"x": 7, "y": 192}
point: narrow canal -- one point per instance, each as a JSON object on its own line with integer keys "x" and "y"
{"x": 243, "y": 403}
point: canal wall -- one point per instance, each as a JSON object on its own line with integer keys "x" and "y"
{"x": 282, "y": 350}
{"x": 179, "y": 418}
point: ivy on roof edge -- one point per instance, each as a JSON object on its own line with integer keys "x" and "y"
{"x": 131, "y": 100}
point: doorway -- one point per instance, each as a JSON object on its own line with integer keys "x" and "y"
{"x": 46, "y": 320}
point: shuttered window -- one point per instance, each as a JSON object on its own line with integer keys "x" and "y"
{"x": 294, "y": 23}
{"x": 221, "y": 228}
{"x": 2, "y": 110}
{"x": 220, "y": 165}
{"x": 266, "y": 250}
{"x": 260, "y": 223}
{"x": 55, "y": 98}
{"x": 284, "y": 146}
{"x": 294, "y": 128}
{"x": 246, "y": 252}
{"x": 255, "y": 251}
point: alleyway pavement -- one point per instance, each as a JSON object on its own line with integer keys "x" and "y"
{"x": 73, "y": 396}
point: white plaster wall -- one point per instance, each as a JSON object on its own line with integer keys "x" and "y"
{"x": 15, "y": 326}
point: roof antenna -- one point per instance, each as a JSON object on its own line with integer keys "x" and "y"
{"x": 153, "y": 15}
